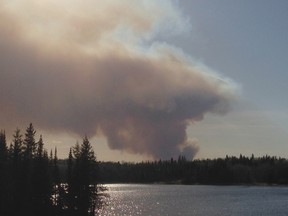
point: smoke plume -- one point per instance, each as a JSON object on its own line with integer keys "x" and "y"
{"x": 96, "y": 68}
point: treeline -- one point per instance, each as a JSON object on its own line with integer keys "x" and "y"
{"x": 31, "y": 183}
{"x": 227, "y": 171}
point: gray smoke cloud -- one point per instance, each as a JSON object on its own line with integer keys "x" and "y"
{"x": 83, "y": 68}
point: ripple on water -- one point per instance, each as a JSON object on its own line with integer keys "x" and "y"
{"x": 132, "y": 199}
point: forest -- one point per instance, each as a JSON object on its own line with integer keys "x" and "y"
{"x": 35, "y": 182}
{"x": 231, "y": 170}
{"x": 31, "y": 183}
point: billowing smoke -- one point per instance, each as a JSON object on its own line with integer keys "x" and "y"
{"x": 90, "y": 67}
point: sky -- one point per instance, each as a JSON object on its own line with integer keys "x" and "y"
{"x": 147, "y": 79}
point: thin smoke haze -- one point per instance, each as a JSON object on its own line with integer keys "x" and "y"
{"x": 97, "y": 69}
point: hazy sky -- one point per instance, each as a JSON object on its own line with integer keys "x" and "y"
{"x": 248, "y": 42}
{"x": 147, "y": 79}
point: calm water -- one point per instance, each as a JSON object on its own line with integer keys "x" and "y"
{"x": 133, "y": 199}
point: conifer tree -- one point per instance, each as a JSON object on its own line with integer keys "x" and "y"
{"x": 3, "y": 173}
{"x": 88, "y": 180}
{"x": 69, "y": 166}
{"x": 40, "y": 148}
{"x": 30, "y": 145}
{"x": 3, "y": 147}
{"x": 56, "y": 174}
{"x": 17, "y": 172}
{"x": 58, "y": 190}
{"x": 33, "y": 184}
{"x": 41, "y": 189}
{"x": 83, "y": 184}
{"x": 28, "y": 169}
{"x": 16, "y": 147}
{"x": 51, "y": 156}
{"x": 70, "y": 189}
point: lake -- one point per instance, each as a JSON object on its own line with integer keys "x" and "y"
{"x": 137, "y": 199}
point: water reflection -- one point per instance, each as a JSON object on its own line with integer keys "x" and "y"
{"x": 194, "y": 200}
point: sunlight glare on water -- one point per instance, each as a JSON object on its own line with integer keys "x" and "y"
{"x": 133, "y": 199}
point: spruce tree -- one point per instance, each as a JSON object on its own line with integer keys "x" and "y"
{"x": 56, "y": 174}
{"x": 41, "y": 188}
{"x": 3, "y": 147}
{"x": 40, "y": 148}
{"x": 58, "y": 190}
{"x": 88, "y": 180}
{"x": 16, "y": 147}
{"x": 30, "y": 149}
{"x": 18, "y": 173}
{"x": 70, "y": 181}
{"x": 3, "y": 174}
{"x": 83, "y": 183}
{"x": 30, "y": 145}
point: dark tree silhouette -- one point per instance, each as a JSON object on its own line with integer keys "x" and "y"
{"x": 82, "y": 169}
{"x": 3, "y": 173}
{"x": 30, "y": 145}
{"x": 3, "y": 146}
{"x": 28, "y": 175}
{"x": 41, "y": 188}
{"x": 17, "y": 174}
{"x": 231, "y": 170}
{"x": 31, "y": 182}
